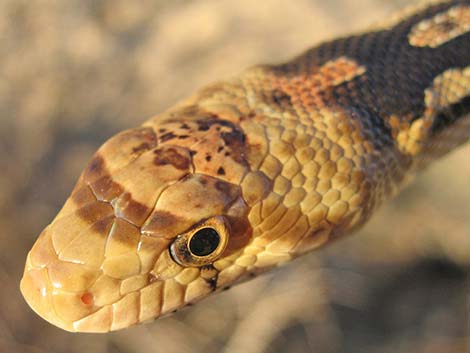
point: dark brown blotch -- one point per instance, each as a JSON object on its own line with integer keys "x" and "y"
{"x": 251, "y": 114}
{"x": 106, "y": 189}
{"x": 281, "y": 98}
{"x": 236, "y": 141}
{"x": 207, "y": 267}
{"x": 131, "y": 210}
{"x": 144, "y": 146}
{"x": 94, "y": 212}
{"x": 207, "y": 270}
{"x": 167, "y": 136}
{"x": 173, "y": 157}
{"x": 211, "y": 120}
{"x": 241, "y": 233}
{"x": 95, "y": 168}
{"x": 204, "y": 125}
{"x": 212, "y": 282}
{"x": 151, "y": 278}
{"x": 146, "y": 135}
{"x": 221, "y": 171}
{"x": 103, "y": 226}
{"x": 224, "y": 187}
{"x": 83, "y": 195}
{"x": 161, "y": 223}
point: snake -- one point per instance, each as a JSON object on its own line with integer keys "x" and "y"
{"x": 253, "y": 171}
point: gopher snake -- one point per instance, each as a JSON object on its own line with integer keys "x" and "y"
{"x": 252, "y": 172}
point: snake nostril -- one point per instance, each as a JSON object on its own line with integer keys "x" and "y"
{"x": 87, "y": 298}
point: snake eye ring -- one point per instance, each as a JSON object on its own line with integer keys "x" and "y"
{"x": 202, "y": 244}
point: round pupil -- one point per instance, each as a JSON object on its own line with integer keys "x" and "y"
{"x": 204, "y": 242}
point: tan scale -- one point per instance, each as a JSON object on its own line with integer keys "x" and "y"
{"x": 448, "y": 88}
{"x": 442, "y": 28}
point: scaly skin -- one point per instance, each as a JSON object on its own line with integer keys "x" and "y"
{"x": 278, "y": 161}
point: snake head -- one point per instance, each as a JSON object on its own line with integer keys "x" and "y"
{"x": 192, "y": 202}
{"x": 150, "y": 227}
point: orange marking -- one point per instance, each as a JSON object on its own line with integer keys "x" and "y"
{"x": 87, "y": 298}
{"x": 305, "y": 89}
{"x": 331, "y": 74}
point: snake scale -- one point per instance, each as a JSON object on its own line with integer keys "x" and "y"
{"x": 253, "y": 171}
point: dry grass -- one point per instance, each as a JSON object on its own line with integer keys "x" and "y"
{"x": 75, "y": 72}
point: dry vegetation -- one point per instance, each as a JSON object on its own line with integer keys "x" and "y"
{"x": 75, "y": 72}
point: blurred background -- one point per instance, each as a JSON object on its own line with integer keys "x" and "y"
{"x": 73, "y": 73}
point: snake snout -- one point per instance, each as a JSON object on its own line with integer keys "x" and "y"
{"x": 59, "y": 307}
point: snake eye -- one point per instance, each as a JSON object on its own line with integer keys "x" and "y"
{"x": 202, "y": 244}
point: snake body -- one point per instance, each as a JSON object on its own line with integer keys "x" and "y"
{"x": 252, "y": 172}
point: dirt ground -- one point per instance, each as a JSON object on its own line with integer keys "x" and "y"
{"x": 75, "y": 72}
